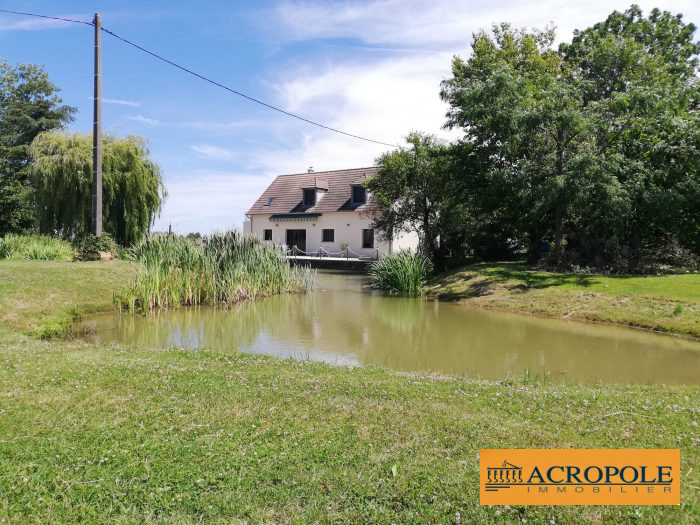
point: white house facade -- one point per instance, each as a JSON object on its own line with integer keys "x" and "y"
{"x": 328, "y": 212}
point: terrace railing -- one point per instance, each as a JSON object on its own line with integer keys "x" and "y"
{"x": 321, "y": 253}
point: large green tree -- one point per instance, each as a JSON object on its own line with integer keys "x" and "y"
{"x": 133, "y": 190}
{"x": 522, "y": 112}
{"x": 593, "y": 146}
{"x": 29, "y": 105}
{"x": 413, "y": 191}
{"x": 639, "y": 78}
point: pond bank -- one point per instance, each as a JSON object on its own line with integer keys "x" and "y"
{"x": 668, "y": 304}
{"x": 342, "y": 322}
{"x": 104, "y": 433}
{"x": 96, "y": 434}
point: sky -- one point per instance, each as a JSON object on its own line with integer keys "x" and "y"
{"x": 369, "y": 68}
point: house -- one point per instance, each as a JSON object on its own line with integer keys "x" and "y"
{"x": 324, "y": 211}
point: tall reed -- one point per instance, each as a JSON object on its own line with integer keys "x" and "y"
{"x": 402, "y": 272}
{"x": 35, "y": 247}
{"x": 220, "y": 269}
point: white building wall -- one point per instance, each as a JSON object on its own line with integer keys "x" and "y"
{"x": 405, "y": 241}
{"x": 348, "y": 228}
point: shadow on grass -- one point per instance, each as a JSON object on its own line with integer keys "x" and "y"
{"x": 532, "y": 278}
{"x": 514, "y": 276}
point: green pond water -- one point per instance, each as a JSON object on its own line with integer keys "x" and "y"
{"x": 342, "y": 323}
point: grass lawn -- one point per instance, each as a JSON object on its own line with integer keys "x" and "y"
{"x": 669, "y": 303}
{"x": 114, "y": 434}
{"x": 43, "y": 297}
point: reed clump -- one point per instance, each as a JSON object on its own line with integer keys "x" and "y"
{"x": 35, "y": 248}
{"x": 221, "y": 269}
{"x": 403, "y": 272}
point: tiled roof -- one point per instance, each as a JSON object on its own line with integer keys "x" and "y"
{"x": 286, "y": 192}
{"x": 318, "y": 184}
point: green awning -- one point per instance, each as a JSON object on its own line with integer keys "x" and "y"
{"x": 294, "y": 217}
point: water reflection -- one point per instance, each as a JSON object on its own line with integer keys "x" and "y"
{"x": 342, "y": 323}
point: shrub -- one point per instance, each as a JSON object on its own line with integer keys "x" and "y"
{"x": 35, "y": 247}
{"x": 220, "y": 269}
{"x": 91, "y": 245}
{"x": 613, "y": 258}
{"x": 402, "y": 272}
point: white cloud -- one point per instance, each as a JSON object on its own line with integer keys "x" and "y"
{"x": 218, "y": 128}
{"x": 445, "y": 23}
{"x": 385, "y": 95}
{"x": 142, "y": 119}
{"x": 383, "y": 100}
{"x": 119, "y": 102}
{"x": 203, "y": 200}
{"x": 209, "y": 151}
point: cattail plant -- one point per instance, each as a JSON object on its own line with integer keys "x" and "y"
{"x": 221, "y": 269}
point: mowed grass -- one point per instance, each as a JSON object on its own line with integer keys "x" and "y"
{"x": 130, "y": 435}
{"x": 109, "y": 434}
{"x": 43, "y": 297}
{"x": 667, "y": 303}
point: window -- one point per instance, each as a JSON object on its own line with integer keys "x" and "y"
{"x": 368, "y": 238}
{"x": 267, "y": 235}
{"x": 328, "y": 236}
{"x": 269, "y": 201}
{"x": 310, "y": 197}
{"x": 359, "y": 194}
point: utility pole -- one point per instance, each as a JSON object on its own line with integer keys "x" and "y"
{"x": 96, "y": 223}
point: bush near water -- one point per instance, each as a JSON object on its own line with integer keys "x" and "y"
{"x": 35, "y": 248}
{"x": 220, "y": 269}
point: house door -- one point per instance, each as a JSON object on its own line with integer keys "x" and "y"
{"x": 296, "y": 238}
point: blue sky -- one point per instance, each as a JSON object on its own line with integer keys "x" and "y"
{"x": 370, "y": 68}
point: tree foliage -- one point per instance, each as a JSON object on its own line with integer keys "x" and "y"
{"x": 29, "y": 105}
{"x": 639, "y": 80}
{"x": 61, "y": 168}
{"x": 592, "y": 148}
{"x": 523, "y": 116}
{"x": 413, "y": 194}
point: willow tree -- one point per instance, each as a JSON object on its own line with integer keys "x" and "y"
{"x": 133, "y": 189}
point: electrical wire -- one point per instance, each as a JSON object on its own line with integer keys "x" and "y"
{"x": 209, "y": 80}
{"x": 47, "y": 17}
{"x": 248, "y": 97}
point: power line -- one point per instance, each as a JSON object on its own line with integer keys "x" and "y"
{"x": 252, "y": 99}
{"x": 47, "y": 17}
{"x": 209, "y": 80}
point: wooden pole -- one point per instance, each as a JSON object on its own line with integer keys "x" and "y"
{"x": 96, "y": 223}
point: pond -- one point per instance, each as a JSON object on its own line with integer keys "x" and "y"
{"x": 343, "y": 323}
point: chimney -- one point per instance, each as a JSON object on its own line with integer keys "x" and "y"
{"x": 311, "y": 169}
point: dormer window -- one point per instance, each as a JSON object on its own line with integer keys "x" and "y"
{"x": 310, "y": 197}
{"x": 269, "y": 201}
{"x": 359, "y": 194}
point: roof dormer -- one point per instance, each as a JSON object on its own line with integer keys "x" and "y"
{"x": 359, "y": 194}
{"x": 314, "y": 192}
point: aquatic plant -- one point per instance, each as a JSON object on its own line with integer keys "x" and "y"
{"x": 402, "y": 272}
{"x": 222, "y": 269}
{"x": 35, "y": 247}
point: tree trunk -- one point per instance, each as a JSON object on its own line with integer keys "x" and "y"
{"x": 533, "y": 250}
{"x": 558, "y": 205}
{"x": 558, "y": 230}
{"x": 427, "y": 230}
